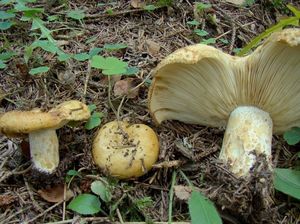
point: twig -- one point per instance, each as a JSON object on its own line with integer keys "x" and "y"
{"x": 35, "y": 204}
{"x": 232, "y": 39}
{"x": 64, "y": 204}
{"x": 44, "y": 212}
{"x": 89, "y": 70}
{"x": 15, "y": 214}
{"x": 120, "y": 216}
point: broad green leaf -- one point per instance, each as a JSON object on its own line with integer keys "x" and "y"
{"x": 5, "y": 25}
{"x": 45, "y": 45}
{"x": 93, "y": 121}
{"x": 64, "y": 57}
{"x": 99, "y": 188}
{"x": 193, "y": 22}
{"x": 7, "y": 55}
{"x": 201, "y": 33}
{"x": 279, "y": 26}
{"x": 2, "y": 64}
{"x": 76, "y": 14}
{"x": 109, "y": 65}
{"x": 208, "y": 41}
{"x": 95, "y": 51}
{"x": 39, "y": 70}
{"x": 85, "y": 204}
{"x": 114, "y": 47}
{"x": 292, "y": 136}
{"x": 37, "y": 23}
{"x": 81, "y": 56}
{"x": 149, "y": 8}
{"x": 288, "y": 181}
{"x": 6, "y": 15}
{"x": 202, "y": 210}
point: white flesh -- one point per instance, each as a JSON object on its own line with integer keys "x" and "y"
{"x": 44, "y": 150}
{"x": 248, "y": 134}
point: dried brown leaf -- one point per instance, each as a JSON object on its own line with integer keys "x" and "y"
{"x": 125, "y": 87}
{"x": 137, "y": 4}
{"x": 55, "y": 194}
{"x": 6, "y": 199}
{"x": 152, "y": 47}
{"x": 182, "y": 192}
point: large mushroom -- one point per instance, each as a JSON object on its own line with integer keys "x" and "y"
{"x": 250, "y": 95}
{"x": 125, "y": 151}
{"x": 41, "y": 129}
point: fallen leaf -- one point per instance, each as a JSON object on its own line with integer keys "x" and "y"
{"x": 236, "y": 2}
{"x": 55, "y": 194}
{"x": 137, "y": 4}
{"x": 6, "y": 199}
{"x": 182, "y": 192}
{"x": 152, "y": 47}
{"x": 126, "y": 87}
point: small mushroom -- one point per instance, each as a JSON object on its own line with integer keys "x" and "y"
{"x": 41, "y": 129}
{"x": 252, "y": 95}
{"x": 125, "y": 151}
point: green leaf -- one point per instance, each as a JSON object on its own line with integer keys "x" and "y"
{"x": 92, "y": 107}
{"x": 149, "y": 8}
{"x": 110, "y": 11}
{"x": 2, "y": 64}
{"x": 95, "y": 51}
{"x": 45, "y": 45}
{"x": 5, "y": 25}
{"x": 202, "y": 210}
{"x": 202, "y": 6}
{"x": 64, "y": 57}
{"x": 81, "y": 57}
{"x": 92, "y": 39}
{"x": 85, "y": 204}
{"x": 292, "y": 136}
{"x": 109, "y": 65}
{"x": 28, "y": 53}
{"x": 93, "y": 121}
{"x": 193, "y": 23}
{"x": 114, "y": 47}
{"x": 7, "y": 55}
{"x": 76, "y": 14}
{"x": 39, "y": 70}
{"x": 6, "y": 2}
{"x": 279, "y": 26}
{"x": 131, "y": 71}
{"x": 37, "y": 23}
{"x": 52, "y": 18}
{"x": 201, "y": 33}
{"x": 6, "y": 15}
{"x": 288, "y": 181}
{"x": 294, "y": 10}
{"x": 99, "y": 188}
{"x": 224, "y": 41}
{"x": 208, "y": 41}
{"x": 73, "y": 173}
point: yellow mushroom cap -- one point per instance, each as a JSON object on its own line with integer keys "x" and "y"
{"x": 16, "y": 123}
{"x": 125, "y": 151}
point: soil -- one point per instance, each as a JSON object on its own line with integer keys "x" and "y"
{"x": 189, "y": 149}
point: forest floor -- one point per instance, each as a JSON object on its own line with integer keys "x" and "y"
{"x": 149, "y": 35}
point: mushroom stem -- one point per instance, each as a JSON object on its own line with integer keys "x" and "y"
{"x": 44, "y": 150}
{"x": 248, "y": 134}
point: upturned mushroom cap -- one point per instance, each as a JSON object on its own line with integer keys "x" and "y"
{"x": 200, "y": 84}
{"x": 18, "y": 123}
{"x": 125, "y": 151}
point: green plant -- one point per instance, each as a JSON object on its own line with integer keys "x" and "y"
{"x": 292, "y": 136}
{"x": 85, "y": 204}
{"x": 293, "y": 20}
{"x": 95, "y": 119}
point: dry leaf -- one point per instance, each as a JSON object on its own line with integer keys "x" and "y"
{"x": 182, "y": 192}
{"x": 137, "y": 4}
{"x": 152, "y": 47}
{"x": 6, "y": 199}
{"x": 55, "y": 194}
{"x": 126, "y": 87}
{"x": 236, "y": 2}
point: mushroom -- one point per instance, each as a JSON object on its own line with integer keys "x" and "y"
{"x": 252, "y": 95}
{"x": 125, "y": 151}
{"x": 41, "y": 129}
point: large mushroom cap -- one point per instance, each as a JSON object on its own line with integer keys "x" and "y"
{"x": 202, "y": 85}
{"x": 125, "y": 151}
{"x": 16, "y": 123}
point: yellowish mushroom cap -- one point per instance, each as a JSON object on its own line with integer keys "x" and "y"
{"x": 200, "y": 84}
{"x": 125, "y": 151}
{"x": 17, "y": 123}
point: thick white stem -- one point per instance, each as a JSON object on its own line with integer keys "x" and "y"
{"x": 44, "y": 150}
{"x": 248, "y": 134}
